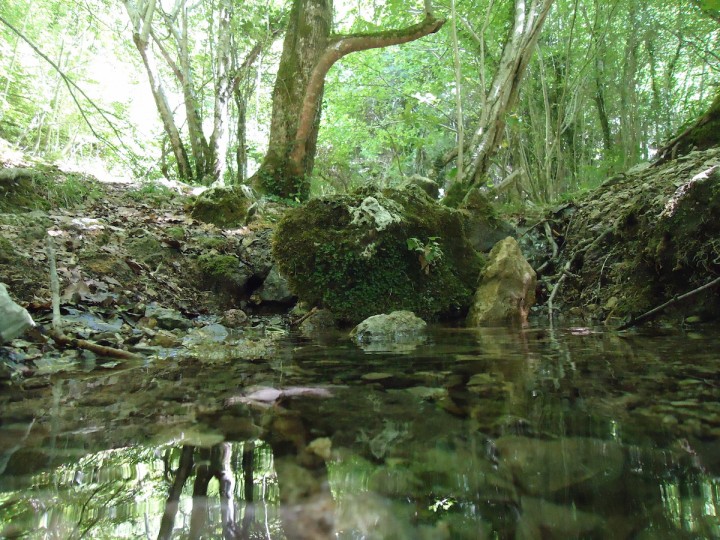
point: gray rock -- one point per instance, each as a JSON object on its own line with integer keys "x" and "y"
{"x": 167, "y": 319}
{"x": 14, "y": 319}
{"x": 395, "y": 327}
{"x": 322, "y": 319}
{"x": 484, "y": 234}
{"x": 275, "y": 288}
{"x": 426, "y": 184}
{"x": 372, "y": 213}
{"x": 507, "y": 287}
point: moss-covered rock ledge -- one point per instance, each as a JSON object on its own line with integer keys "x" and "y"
{"x": 376, "y": 252}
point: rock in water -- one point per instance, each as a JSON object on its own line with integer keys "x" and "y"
{"x": 14, "y": 320}
{"x": 507, "y": 287}
{"x": 275, "y": 288}
{"x": 395, "y": 327}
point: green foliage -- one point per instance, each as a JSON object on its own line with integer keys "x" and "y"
{"x": 152, "y": 193}
{"x": 281, "y": 186}
{"x": 429, "y": 253}
{"x": 49, "y": 188}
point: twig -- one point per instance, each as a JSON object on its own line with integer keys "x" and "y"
{"x": 304, "y": 317}
{"x": 566, "y": 269}
{"x": 649, "y": 314}
{"x": 549, "y": 234}
{"x": 563, "y": 275}
{"x": 54, "y": 285}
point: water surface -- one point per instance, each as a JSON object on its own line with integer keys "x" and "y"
{"x": 491, "y": 433}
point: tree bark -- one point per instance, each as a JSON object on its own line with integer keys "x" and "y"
{"x": 528, "y": 20}
{"x": 141, "y": 15}
{"x": 309, "y": 51}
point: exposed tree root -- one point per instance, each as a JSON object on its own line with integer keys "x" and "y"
{"x": 566, "y": 268}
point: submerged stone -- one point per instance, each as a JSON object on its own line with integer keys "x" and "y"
{"x": 395, "y": 327}
{"x": 544, "y": 467}
{"x": 507, "y": 287}
{"x": 14, "y": 319}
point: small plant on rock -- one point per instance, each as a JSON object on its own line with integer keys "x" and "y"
{"x": 429, "y": 253}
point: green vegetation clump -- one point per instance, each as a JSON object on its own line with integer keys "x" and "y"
{"x": 47, "y": 188}
{"x": 224, "y": 207}
{"x": 356, "y": 269}
{"x": 222, "y": 269}
{"x": 211, "y": 242}
{"x": 152, "y": 193}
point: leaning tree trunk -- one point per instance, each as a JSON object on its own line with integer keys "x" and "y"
{"x": 529, "y": 17}
{"x": 141, "y": 15}
{"x": 309, "y": 51}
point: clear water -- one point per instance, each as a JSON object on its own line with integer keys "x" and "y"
{"x": 489, "y": 433}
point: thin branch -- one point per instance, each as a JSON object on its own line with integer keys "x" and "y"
{"x": 645, "y": 316}
{"x": 70, "y": 85}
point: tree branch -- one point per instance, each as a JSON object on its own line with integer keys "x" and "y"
{"x": 70, "y": 86}
{"x": 338, "y": 47}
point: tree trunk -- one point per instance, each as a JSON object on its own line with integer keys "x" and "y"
{"x": 309, "y": 51}
{"x": 141, "y": 15}
{"x": 529, "y": 17}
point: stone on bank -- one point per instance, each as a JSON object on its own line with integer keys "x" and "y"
{"x": 14, "y": 319}
{"x": 507, "y": 287}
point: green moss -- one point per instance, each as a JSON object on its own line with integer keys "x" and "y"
{"x": 211, "y": 242}
{"x": 224, "y": 207}
{"x": 147, "y": 249}
{"x": 223, "y": 269}
{"x": 176, "y": 233}
{"x": 7, "y": 252}
{"x": 356, "y": 272}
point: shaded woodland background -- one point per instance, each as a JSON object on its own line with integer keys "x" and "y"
{"x": 85, "y": 83}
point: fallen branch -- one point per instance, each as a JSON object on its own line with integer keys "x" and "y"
{"x": 304, "y": 317}
{"x": 645, "y": 316}
{"x": 100, "y": 350}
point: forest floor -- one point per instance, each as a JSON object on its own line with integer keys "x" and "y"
{"x": 642, "y": 239}
{"x": 138, "y": 272}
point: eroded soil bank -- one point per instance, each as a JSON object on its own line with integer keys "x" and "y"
{"x": 637, "y": 242}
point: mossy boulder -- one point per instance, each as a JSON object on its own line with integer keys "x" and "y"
{"x": 349, "y": 253}
{"x": 221, "y": 206}
{"x": 226, "y": 271}
{"x": 483, "y": 225}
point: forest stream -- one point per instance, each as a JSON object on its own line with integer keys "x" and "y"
{"x": 304, "y": 270}
{"x": 475, "y": 433}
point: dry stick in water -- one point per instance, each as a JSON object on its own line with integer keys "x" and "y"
{"x": 56, "y": 333}
{"x": 658, "y": 309}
